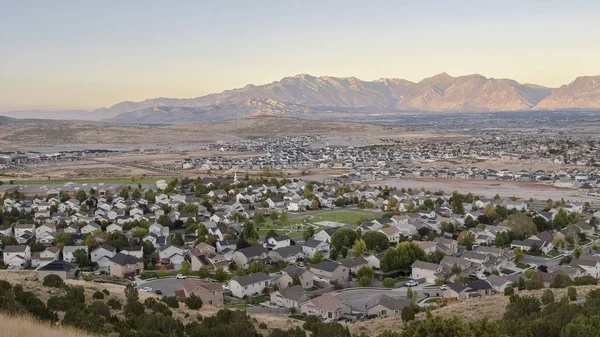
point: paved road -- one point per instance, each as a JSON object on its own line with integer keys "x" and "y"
{"x": 540, "y": 261}
{"x": 358, "y": 298}
{"x": 167, "y": 285}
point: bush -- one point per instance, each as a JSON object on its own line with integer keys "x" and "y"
{"x": 53, "y": 281}
{"x": 171, "y": 301}
{"x": 389, "y": 282}
{"x": 409, "y": 312}
{"x": 572, "y": 294}
{"x": 98, "y": 295}
{"x": 585, "y": 281}
{"x": 114, "y": 303}
{"x": 262, "y": 326}
{"x": 100, "y": 308}
{"x": 508, "y": 291}
{"x": 193, "y": 302}
{"x": 561, "y": 281}
{"x": 364, "y": 281}
{"x": 105, "y": 292}
{"x": 547, "y": 297}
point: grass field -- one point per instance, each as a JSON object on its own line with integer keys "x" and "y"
{"x": 346, "y": 216}
{"x": 122, "y": 181}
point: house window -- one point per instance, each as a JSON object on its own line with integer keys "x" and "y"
{"x": 210, "y": 302}
{"x": 246, "y": 287}
{"x": 383, "y": 312}
{"x": 329, "y": 315}
{"x": 213, "y": 293}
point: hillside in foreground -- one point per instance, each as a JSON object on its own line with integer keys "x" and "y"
{"x": 23, "y": 326}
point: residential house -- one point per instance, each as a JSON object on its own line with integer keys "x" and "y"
{"x": 498, "y": 283}
{"x": 326, "y": 307}
{"x": 63, "y": 269}
{"x": 589, "y": 263}
{"x": 114, "y": 227}
{"x": 325, "y": 234}
{"x": 467, "y": 290}
{"x": 355, "y": 263}
{"x": 290, "y": 254}
{"x": 311, "y": 247}
{"x": 172, "y": 254}
{"x": 304, "y": 276}
{"x": 226, "y": 244}
{"x": 126, "y": 266}
{"x": 393, "y": 234}
{"x": 249, "y": 285}
{"x": 136, "y": 251}
{"x": 39, "y": 259}
{"x": 373, "y": 260}
{"x": 44, "y": 229}
{"x": 243, "y": 258}
{"x": 427, "y": 246}
{"x": 425, "y": 270}
{"x": 208, "y": 260}
{"x": 386, "y": 306}
{"x": 90, "y": 228}
{"x": 331, "y": 271}
{"x": 290, "y": 297}
{"x": 211, "y": 293}
{"x": 158, "y": 229}
{"x": 446, "y": 246}
{"x": 17, "y": 256}
{"x": 102, "y": 256}
{"x": 273, "y": 243}
{"x": 69, "y": 250}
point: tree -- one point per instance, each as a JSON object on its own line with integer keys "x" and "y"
{"x": 139, "y": 232}
{"x": 114, "y": 303}
{"x": 456, "y": 269}
{"x": 147, "y": 247}
{"x": 98, "y": 295}
{"x": 547, "y": 297}
{"x": 165, "y": 220}
{"x": 62, "y": 239}
{"x": 457, "y": 204}
{"x": 402, "y": 257}
{"x": 572, "y": 294}
{"x": 497, "y": 197}
{"x": 82, "y": 258}
{"x": 250, "y": 233}
{"x": 364, "y": 281}
{"x": 308, "y": 233}
{"x": 271, "y": 234}
{"x": 409, "y": 312}
{"x": 520, "y": 307}
{"x": 81, "y": 196}
{"x": 177, "y": 240}
{"x": 518, "y": 254}
{"x": 53, "y": 281}
{"x": 376, "y": 241}
{"x": 521, "y": 224}
{"x": 193, "y": 302}
{"x": 317, "y": 258}
{"x": 561, "y": 219}
{"x": 509, "y": 291}
{"x": 466, "y": 238}
{"x": 315, "y": 204}
{"x": 577, "y": 252}
{"x": 359, "y": 247}
{"x": 117, "y": 240}
{"x": 344, "y": 252}
{"x": 343, "y": 237}
{"x": 221, "y": 275}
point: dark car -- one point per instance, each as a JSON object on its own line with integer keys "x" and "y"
{"x": 158, "y": 292}
{"x": 99, "y": 281}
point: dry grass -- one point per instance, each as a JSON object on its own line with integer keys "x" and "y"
{"x": 23, "y": 326}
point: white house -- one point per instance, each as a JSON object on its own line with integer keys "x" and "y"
{"x": 325, "y": 234}
{"x": 22, "y": 229}
{"x": 69, "y": 250}
{"x": 281, "y": 241}
{"x": 249, "y": 285}
{"x": 114, "y": 227}
{"x": 591, "y": 265}
{"x": 45, "y": 228}
{"x": 311, "y": 247}
{"x": 102, "y": 256}
{"x": 136, "y": 251}
{"x": 18, "y": 256}
{"x": 159, "y": 229}
{"x": 425, "y": 270}
{"x": 174, "y": 254}
{"x": 90, "y": 228}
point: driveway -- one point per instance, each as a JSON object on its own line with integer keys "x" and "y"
{"x": 168, "y": 286}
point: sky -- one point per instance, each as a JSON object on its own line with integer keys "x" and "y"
{"x": 83, "y": 54}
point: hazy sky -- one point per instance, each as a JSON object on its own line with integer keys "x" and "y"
{"x": 84, "y": 54}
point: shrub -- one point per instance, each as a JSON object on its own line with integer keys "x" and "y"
{"x": 585, "y": 280}
{"x": 105, "y": 292}
{"x": 364, "y": 281}
{"x": 193, "y": 302}
{"x": 171, "y": 301}
{"x": 572, "y": 294}
{"x": 114, "y": 303}
{"x": 409, "y": 312}
{"x": 547, "y": 297}
{"x": 100, "y": 308}
{"x": 53, "y": 281}
{"x": 262, "y": 326}
{"x": 98, "y": 295}
{"x": 561, "y": 281}
{"x": 508, "y": 291}
{"x": 389, "y": 282}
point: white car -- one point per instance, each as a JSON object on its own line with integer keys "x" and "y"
{"x": 443, "y": 287}
{"x": 180, "y": 277}
{"x": 481, "y": 277}
{"x": 146, "y": 289}
{"x": 225, "y": 287}
{"x": 411, "y": 283}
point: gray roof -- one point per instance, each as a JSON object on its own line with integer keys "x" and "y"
{"x": 295, "y": 293}
{"x": 288, "y": 251}
{"x": 123, "y": 259}
{"x": 355, "y": 262}
{"x": 293, "y": 270}
{"x": 312, "y": 243}
{"x": 251, "y": 279}
{"x": 15, "y": 249}
{"x": 58, "y": 266}
{"x": 388, "y": 302}
{"x": 71, "y": 249}
{"x": 425, "y": 265}
{"x": 329, "y": 266}
{"x": 471, "y": 285}
{"x": 253, "y": 251}
{"x": 496, "y": 280}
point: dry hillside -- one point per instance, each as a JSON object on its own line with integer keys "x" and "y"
{"x": 23, "y": 326}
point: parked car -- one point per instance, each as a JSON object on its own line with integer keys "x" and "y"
{"x": 411, "y": 283}
{"x": 158, "y": 292}
{"x": 146, "y": 289}
{"x": 225, "y": 287}
{"x": 443, "y": 287}
{"x": 180, "y": 277}
{"x": 300, "y": 264}
{"x": 99, "y": 280}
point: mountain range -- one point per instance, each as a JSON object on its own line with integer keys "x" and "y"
{"x": 328, "y": 97}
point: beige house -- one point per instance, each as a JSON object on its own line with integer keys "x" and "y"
{"x": 466, "y": 290}
{"x": 331, "y": 271}
{"x": 207, "y": 259}
{"x": 326, "y": 306}
{"x": 383, "y": 305}
{"x": 286, "y": 280}
{"x": 210, "y": 293}
{"x": 243, "y": 258}
{"x": 63, "y": 269}
{"x": 290, "y": 297}
{"x": 425, "y": 270}
{"x": 125, "y": 266}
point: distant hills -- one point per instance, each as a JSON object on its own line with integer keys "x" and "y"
{"x": 328, "y": 97}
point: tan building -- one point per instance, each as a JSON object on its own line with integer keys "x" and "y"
{"x": 331, "y": 271}
{"x": 210, "y": 293}
{"x": 64, "y": 270}
{"x": 286, "y": 280}
{"x": 383, "y": 305}
{"x": 326, "y": 307}
{"x": 125, "y": 266}
{"x": 291, "y": 297}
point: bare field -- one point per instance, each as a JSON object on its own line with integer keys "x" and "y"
{"x": 77, "y": 171}
{"x": 80, "y": 135}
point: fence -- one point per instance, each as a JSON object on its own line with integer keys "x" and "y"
{"x": 265, "y": 310}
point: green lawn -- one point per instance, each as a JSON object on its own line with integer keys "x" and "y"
{"x": 507, "y": 271}
{"x": 123, "y": 181}
{"x": 431, "y": 300}
{"x": 522, "y": 265}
